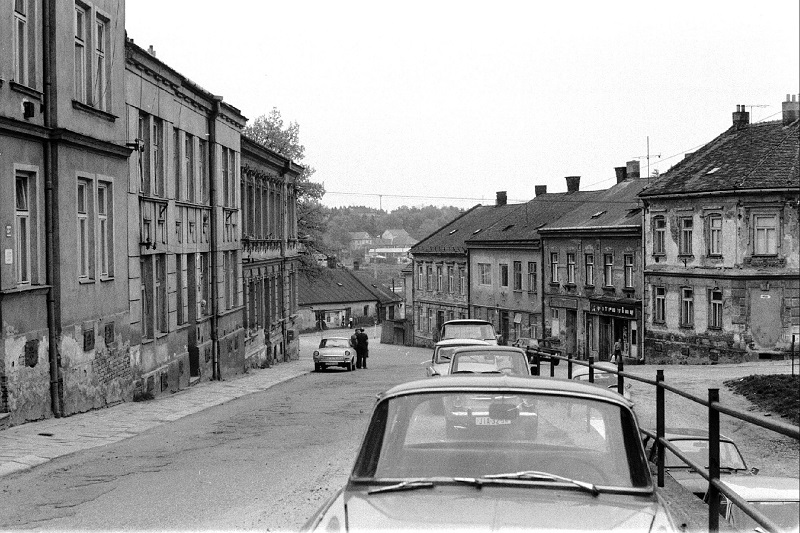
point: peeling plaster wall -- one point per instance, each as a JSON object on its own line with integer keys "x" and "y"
{"x": 25, "y": 377}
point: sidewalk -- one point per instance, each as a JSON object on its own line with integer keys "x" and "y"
{"x": 25, "y": 446}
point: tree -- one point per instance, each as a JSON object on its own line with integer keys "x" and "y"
{"x": 270, "y": 131}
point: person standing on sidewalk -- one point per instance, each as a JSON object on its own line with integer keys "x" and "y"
{"x": 362, "y": 348}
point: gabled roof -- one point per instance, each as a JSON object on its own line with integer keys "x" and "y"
{"x": 383, "y": 293}
{"x": 614, "y": 208}
{"x": 451, "y": 238}
{"x": 333, "y": 285}
{"x": 523, "y": 223}
{"x": 757, "y": 156}
{"x": 359, "y": 236}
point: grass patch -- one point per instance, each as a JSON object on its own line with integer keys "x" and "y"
{"x": 777, "y": 394}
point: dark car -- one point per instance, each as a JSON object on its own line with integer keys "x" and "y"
{"x": 538, "y": 350}
{"x": 545, "y": 454}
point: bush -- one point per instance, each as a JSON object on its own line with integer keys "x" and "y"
{"x": 778, "y": 393}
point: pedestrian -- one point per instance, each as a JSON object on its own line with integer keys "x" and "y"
{"x": 617, "y": 351}
{"x": 362, "y": 348}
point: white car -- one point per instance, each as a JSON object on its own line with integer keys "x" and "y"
{"x": 468, "y": 328}
{"x": 334, "y": 351}
{"x": 604, "y": 376}
{"x": 778, "y": 498}
{"x": 442, "y": 352}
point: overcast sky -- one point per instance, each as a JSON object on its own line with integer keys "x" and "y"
{"x": 447, "y": 102}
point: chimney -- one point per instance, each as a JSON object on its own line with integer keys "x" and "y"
{"x": 632, "y": 168}
{"x": 741, "y": 118}
{"x": 791, "y": 109}
{"x": 151, "y": 51}
{"x": 331, "y": 261}
{"x": 539, "y": 189}
{"x": 622, "y": 173}
{"x": 356, "y": 265}
{"x": 502, "y": 199}
{"x": 573, "y": 183}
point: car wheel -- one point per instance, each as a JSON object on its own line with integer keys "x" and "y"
{"x": 351, "y": 366}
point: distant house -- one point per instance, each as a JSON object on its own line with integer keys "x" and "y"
{"x": 397, "y": 237}
{"x": 360, "y": 239}
{"x": 721, "y": 246}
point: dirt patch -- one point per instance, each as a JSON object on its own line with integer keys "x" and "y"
{"x": 778, "y": 393}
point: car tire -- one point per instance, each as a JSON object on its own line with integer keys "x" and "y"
{"x": 351, "y": 366}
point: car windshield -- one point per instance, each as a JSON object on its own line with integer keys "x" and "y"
{"x": 786, "y": 515}
{"x": 481, "y": 362}
{"x": 477, "y": 433}
{"x": 443, "y": 354}
{"x": 697, "y": 451}
{"x": 334, "y": 343}
{"x": 468, "y": 331}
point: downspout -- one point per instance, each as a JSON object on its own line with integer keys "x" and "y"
{"x": 52, "y": 259}
{"x": 541, "y": 284}
{"x": 284, "y": 246}
{"x": 469, "y": 285}
{"x": 644, "y": 287}
{"x": 212, "y": 191}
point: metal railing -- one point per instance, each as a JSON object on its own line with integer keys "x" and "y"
{"x": 716, "y": 487}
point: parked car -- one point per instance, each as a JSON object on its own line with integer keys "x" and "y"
{"x": 693, "y": 443}
{"x": 603, "y": 377}
{"x": 489, "y": 360}
{"x": 778, "y": 498}
{"x": 468, "y": 328}
{"x": 546, "y": 454}
{"x": 334, "y": 351}
{"x": 538, "y": 350}
{"x": 440, "y": 362}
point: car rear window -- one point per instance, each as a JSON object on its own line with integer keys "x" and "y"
{"x": 334, "y": 343}
{"x": 468, "y": 331}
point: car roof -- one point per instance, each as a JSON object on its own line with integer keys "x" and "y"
{"x": 488, "y": 348}
{"x": 690, "y": 434}
{"x": 504, "y": 382}
{"x": 336, "y": 338}
{"x": 764, "y": 488}
{"x": 467, "y": 321}
{"x": 462, "y": 342}
{"x": 602, "y": 366}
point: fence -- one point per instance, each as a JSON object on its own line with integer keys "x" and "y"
{"x": 711, "y": 474}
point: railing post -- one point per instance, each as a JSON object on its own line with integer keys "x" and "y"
{"x": 553, "y": 367}
{"x": 620, "y": 379}
{"x": 569, "y": 366}
{"x": 536, "y": 364}
{"x": 713, "y": 460}
{"x": 591, "y": 369}
{"x": 660, "y": 425}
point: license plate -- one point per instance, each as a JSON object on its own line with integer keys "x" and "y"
{"x": 486, "y": 421}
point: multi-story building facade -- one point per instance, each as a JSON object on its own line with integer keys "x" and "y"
{"x": 270, "y": 255}
{"x": 184, "y": 241}
{"x": 63, "y": 182}
{"x": 592, "y": 286}
{"x": 441, "y": 270}
{"x": 505, "y": 264}
{"x": 722, "y": 271}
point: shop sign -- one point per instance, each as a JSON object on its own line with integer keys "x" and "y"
{"x": 568, "y": 303}
{"x": 612, "y": 308}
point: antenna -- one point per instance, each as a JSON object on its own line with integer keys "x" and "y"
{"x": 751, "y": 106}
{"x": 648, "y": 157}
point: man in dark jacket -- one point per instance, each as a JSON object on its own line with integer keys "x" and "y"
{"x": 362, "y": 348}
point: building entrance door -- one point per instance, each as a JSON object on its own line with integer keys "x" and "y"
{"x": 571, "y": 339}
{"x": 606, "y": 338}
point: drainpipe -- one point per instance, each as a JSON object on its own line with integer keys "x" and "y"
{"x": 52, "y": 259}
{"x": 212, "y": 191}
{"x": 644, "y": 287}
{"x": 541, "y": 284}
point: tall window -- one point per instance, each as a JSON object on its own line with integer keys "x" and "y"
{"x": 485, "y": 273}
{"x": 100, "y": 87}
{"x": 687, "y": 227}
{"x": 462, "y": 281}
{"x": 81, "y": 43}
{"x": 450, "y": 280}
{"x": 104, "y": 233}
{"x": 428, "y": 277}
{"x": 628, "y": 270}
{"x": 608, "y": 270}
{"x": 146, "y": 263}
{"x": 531, "y": 276}
{"x": 659, "y": 234}
{"x": 84, "y": 240}
{"x": 439, "y": 278}
{"x": 203, "y": 171}
{"x": 160, "y": 292}
{"x": 157, "y": 147}
{"x": 554, "y": 267}
{"x": 188, "y": 156}
{"x": 504, "y": 275}
{"x": 715, "y": 309}
{"x": 227, "y": 267}
{"x": 714, "y": 235}
{"x": 589, "y": 264}
{"x": 517, "y": 275}
{"x": 660, "y": 304}
{"x": 181, "y": 293}
{"x": 419, "y": 276}
{"x": 20, "y": 44}
{"x": 571, "y": 268}
{"x": 203, "y": 284}
{"x": 766, "y": 234}
{"x": 144, "y": 155}
{"x": 22, "y": 234}
{"x": 176, "y": 162}
{"x": 687, "y": 307}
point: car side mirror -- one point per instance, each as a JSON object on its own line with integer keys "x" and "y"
{"x": 754, "y": 470}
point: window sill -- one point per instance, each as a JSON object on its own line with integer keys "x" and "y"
{"x": 589, "y": 287}
{"x": 659, "y": 322}
{"x": 714, "y": 256}
{"x": 686, "y": 326}
{"x": 686, "y": 256}
{"x": 629, "y": 289}
{"x": 24, "y": 89}
{"x": 715, "y": 328}
{"x": 570, "y": 285}
{"x": 764, "y": 256}
{"x": 106, "y": 278}
{"x": 555, "y": 284}
{"x": 99, "y": 113}
{"x": 86, "y": 281}
{"x": 26, "y": 288}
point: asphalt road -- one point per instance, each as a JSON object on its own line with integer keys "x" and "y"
{"x": 268, "y": 460}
